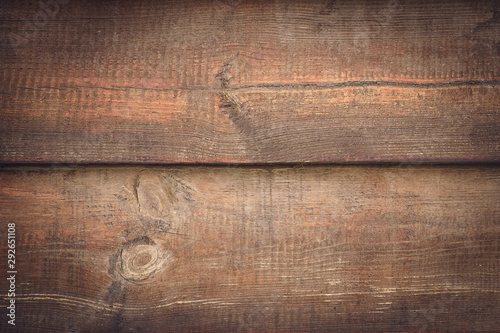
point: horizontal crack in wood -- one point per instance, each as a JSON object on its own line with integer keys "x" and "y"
{"x": 291, "y": 86}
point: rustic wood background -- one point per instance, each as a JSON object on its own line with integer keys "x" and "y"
{"x": 250, "y": 81}
{"x": 266, "y": 203}
{"x": 256, "y": 249}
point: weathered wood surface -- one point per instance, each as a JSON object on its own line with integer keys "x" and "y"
{"x": 255, "y": 249}
{"x": 249, "y": 81}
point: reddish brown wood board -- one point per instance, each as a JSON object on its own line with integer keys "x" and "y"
{"x": 249, "y": 81}
{"x": 201, "y": 249}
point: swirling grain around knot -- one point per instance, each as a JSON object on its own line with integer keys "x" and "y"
{"x": 142, "y": 259}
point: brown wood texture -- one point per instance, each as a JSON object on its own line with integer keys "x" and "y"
{"x": 249, "y": 81}
{"x": 339, "y": 248}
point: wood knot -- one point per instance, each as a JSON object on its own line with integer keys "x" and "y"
{"x": 141, "y": 259}
{"x": 154, "y": 195}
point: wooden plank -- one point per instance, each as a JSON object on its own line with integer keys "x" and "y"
{"x": 156, "y": 81}
{"x": 254, "y": 249}
{"x": 254, "y": 125}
